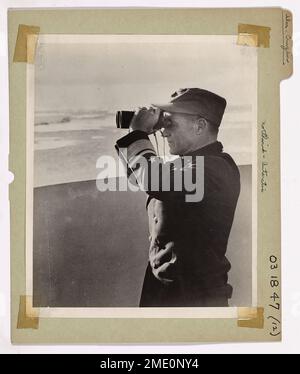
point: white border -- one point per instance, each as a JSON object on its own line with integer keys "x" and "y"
{"x": 135, "y": 312}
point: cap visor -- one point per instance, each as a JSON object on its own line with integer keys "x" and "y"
{"x": 176, "y": 108}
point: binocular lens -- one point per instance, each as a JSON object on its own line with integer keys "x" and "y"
{"x": 123, "y": 119}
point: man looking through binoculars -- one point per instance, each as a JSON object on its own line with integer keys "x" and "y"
{"x": 188, "y": 237}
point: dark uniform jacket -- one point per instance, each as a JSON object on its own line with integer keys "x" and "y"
{"x": 188, "y": 240}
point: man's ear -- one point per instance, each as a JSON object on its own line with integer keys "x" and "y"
{"x": 200, "y": 126}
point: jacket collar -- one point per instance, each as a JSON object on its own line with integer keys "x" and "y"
{"x": 210, "y": 149}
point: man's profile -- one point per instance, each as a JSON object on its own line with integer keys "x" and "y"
{"x": 188, "y": 238}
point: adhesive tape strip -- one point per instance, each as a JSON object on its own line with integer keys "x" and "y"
{"x": 251, "y": 318}
{"x": 26, "y": 44}
{"x": 253, "y": 35}
{"x": 28, "y": 317}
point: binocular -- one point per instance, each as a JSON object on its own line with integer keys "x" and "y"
{"x": 124, "y": 118}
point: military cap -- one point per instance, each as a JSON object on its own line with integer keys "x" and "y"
{"x": 196, "y": 101}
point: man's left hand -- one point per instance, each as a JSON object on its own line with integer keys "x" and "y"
{"x": 163, "y": 262}
{"x": 145, "y": 119}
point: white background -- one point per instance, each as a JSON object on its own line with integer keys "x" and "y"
{"x": 290, "y": 184}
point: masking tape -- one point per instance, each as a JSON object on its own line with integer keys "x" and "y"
{"x": 250, "y": 40}
{"x": 251, "y": 318}
{"x": 28, "y": 318}
{"x": 26, "y": 44}
{"x": 253, "y": 35}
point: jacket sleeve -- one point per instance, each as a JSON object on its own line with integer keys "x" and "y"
{"x": 175, "y": 180}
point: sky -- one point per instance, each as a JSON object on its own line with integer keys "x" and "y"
{"x": 124, "y": 72}
{"x": 84, "y": 73}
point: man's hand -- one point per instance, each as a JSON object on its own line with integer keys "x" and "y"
{"x": 163, "y": 262}
{"x": 145, "y": 119}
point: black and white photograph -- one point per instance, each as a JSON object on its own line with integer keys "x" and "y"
{"x": 149, "y": 191}
{"x": 142, "y": 174}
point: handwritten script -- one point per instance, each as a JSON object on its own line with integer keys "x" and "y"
{"x": 264, "y": 150}
{"x": 286, "y": 45}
